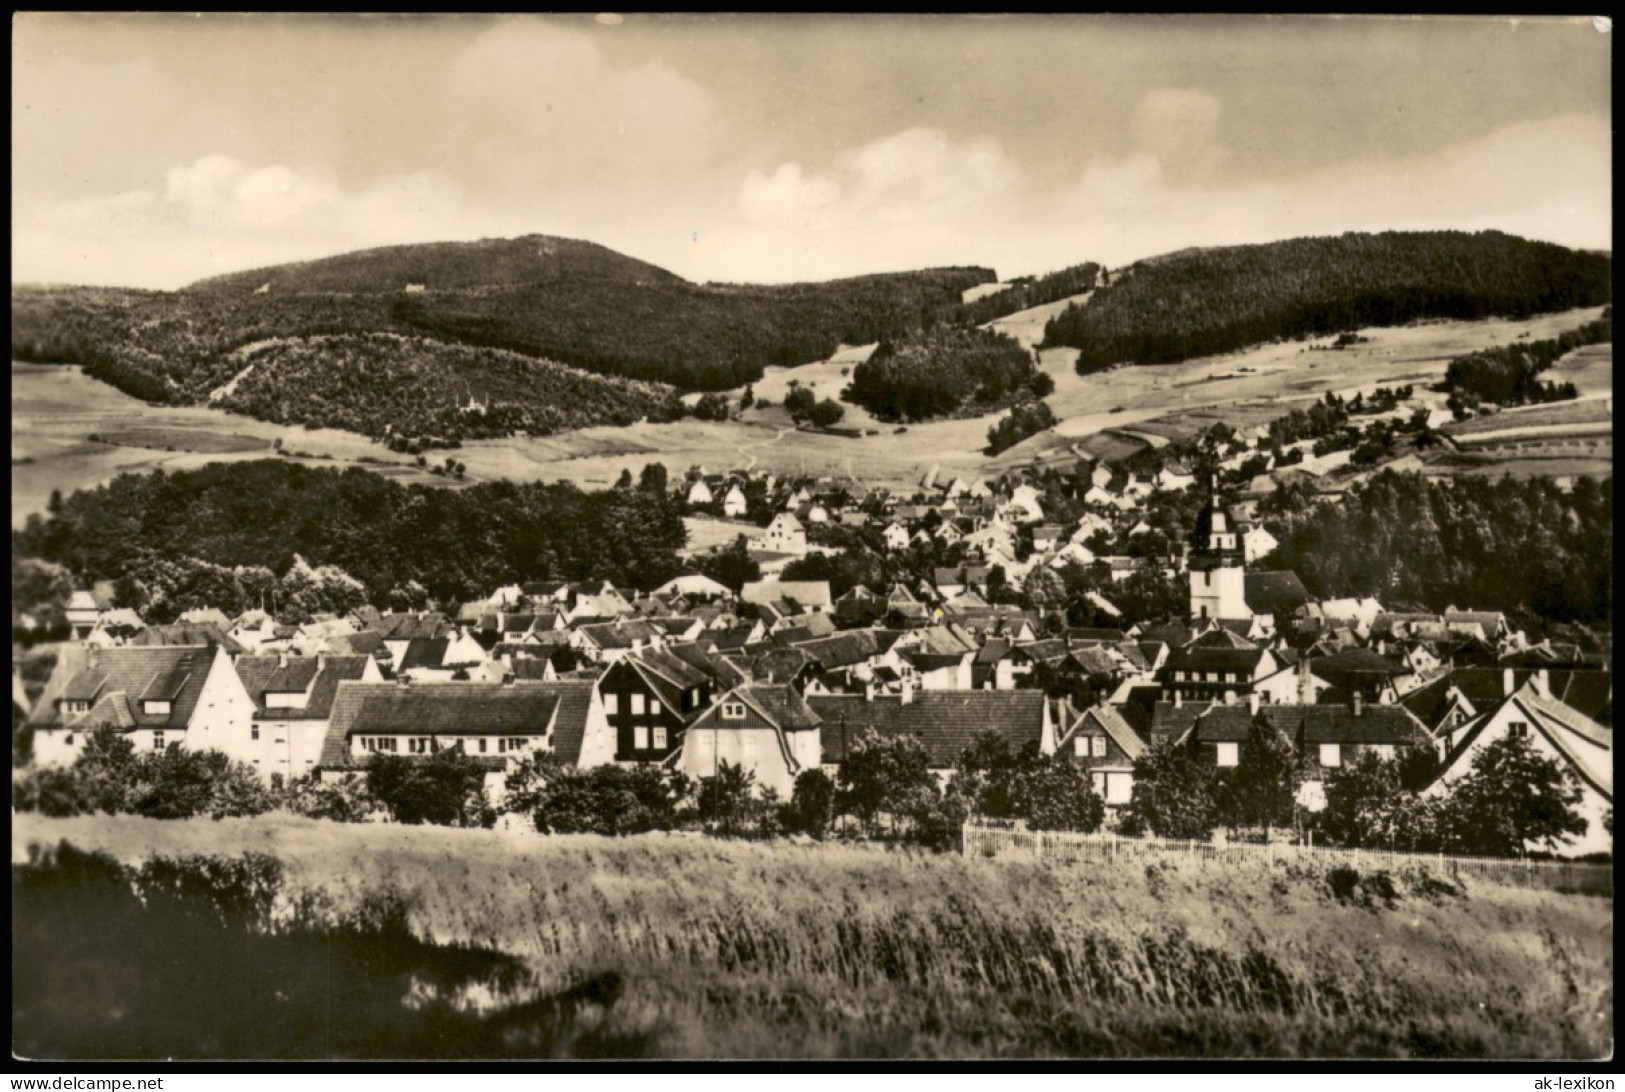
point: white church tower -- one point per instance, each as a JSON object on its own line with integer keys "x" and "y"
{"x": 1218, "y": 570}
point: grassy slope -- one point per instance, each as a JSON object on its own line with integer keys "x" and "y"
{"x": 732, "y": 949}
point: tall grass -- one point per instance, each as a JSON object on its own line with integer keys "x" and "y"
{"x": 734, "y": 949}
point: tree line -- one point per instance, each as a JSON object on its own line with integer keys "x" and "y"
{"x": 884, "y": 789}
{"x": 1508, "y": 375}
{"x": 226, "y": 534}
{"x": 1510, "y": 796}
{"x": 1218, "y": 300}
{"x": 1526, "y": 547}
{"x": 946, "y": 370}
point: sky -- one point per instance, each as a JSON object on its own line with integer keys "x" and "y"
{"x": 154, "y": 150}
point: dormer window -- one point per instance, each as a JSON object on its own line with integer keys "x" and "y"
{"x": 733, "y": 710}
{"x": 155, "y": 707}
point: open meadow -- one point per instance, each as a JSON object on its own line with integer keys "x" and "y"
{"x": 694, "y": 947}
{"x": 56, "y": 409}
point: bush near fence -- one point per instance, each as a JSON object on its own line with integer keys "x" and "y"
{"x": 981, "y": 840}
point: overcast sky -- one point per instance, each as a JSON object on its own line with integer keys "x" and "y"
{"x": 152, "y": 150}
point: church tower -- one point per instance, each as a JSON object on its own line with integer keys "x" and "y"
{"x": 1217, "y": 570}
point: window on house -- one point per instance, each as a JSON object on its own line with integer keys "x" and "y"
{"x": 612, "y": 704}
{"x": 155, "y": 708}
{"x": 640, "y": 738}
{"x": 389, "y": 743}
{"x": 157, "y": 741}
{"x": 733, "y": 710}
{"x": 1518, "y": 729}
{"x": 482, "y": 745}
{"x": 1385, "y": 751}
{"x": 637, "y": 704}
{"x": 1229, "y": 754}
{"x": 254, "y": 731}
{"x": 1097, "y": 746}
{"x": 654, "y": 708}
{"x": 1212, "y": 676}
{"x": 1331, "y": 755}
{"x": 1080, "y": 746}
{"x": 68, "y": 739}
{"x": 660, "y": 739}
{"x": 419, "y": 745}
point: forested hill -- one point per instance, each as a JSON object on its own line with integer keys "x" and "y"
{"x": 1211, "y": 301}
{"x": 529, "y": 259}
{"x": 454, "y": 304}
{"x": 225, "y": 534}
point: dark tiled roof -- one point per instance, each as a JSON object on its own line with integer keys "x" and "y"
{"x": 449, "y": 709}
{"x": 367, "y": 642}
{"x": 946, "y": 721}
{"x": 184, "y": 634}
{"x": 423, "y": 652}
{"x": 174, "y": 674}
{"x": 1214, "y": 659}
{"x": 262, "y": 673}
{"x": 1277, "y": 593}
{"x": 405, "y": 627}
{"x": 575, "y": 698}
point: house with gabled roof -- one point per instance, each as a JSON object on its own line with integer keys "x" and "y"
{"x": 293, "y": 701}
{"x": 1560, "y": 733}
{"x": 156, "y": 697}
{"x": 946, "y": 722}
{"x": 792, "y": 596}
{"x": 767, "y": 729}
{"x": 698, "y": 492}
{"x": 1218, "y": 666}
{"x": 1100, "y": 740}
{"x": 182, "y": 634}
{"x": 649, "y": 698}
{"x": 606, "y": 642}
{"x": 495, "y": 723}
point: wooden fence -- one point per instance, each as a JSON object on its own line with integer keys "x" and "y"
{"x": 988, "y": 841}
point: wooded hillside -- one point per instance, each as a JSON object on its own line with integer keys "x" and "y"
{"x": 1213, "y": 301}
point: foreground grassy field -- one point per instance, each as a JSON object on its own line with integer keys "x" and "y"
{"x": 724, "y": 949}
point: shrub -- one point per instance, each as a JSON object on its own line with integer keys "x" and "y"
{"x": 447, "y": 788}
{"x": 812, "y": 804}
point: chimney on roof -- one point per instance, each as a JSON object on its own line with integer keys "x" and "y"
{"x": 869, "y": 690}
{"x": 1509, "y": 682}
{"x": 908, "y": 691}
{"x": 1358, "y": 703}
{"x": 1543, "y": 683}
{"x": 1306, "y": 685}
{"x": 1179, "y": 699}
{"x": 282, "y": 658}
{"x": 1252, "y": 703}
{"x": 321, "y": 662}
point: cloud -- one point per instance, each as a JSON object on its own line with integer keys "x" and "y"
{"x": 1179, "y": 128}
{"x": 1549, "y": 180}
{"x": 219, "y": 214}
{"x": 907, "y": 199}
{"x": 537, "y": 109}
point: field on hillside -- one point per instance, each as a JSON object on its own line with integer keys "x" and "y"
{"x": 54, "y": 410}
{"x": 726, "y": 949}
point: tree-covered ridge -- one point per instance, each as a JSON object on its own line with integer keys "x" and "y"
{"x": 1219, "y": 300}
{"x": 1525, "y": 547}
{"x": 383, "y": 384}
{"x": 267, "y": 515}
{"x": 1025, "y": 292}
{"x": 947, "y": 370}
{"x": 1509, "y": 374}
{"x": 698, "y": 337}
{"x": 178, "y": 347}
{"x": 525, "y": 260}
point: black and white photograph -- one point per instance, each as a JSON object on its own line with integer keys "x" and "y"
{"x": 801, "y": 538}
